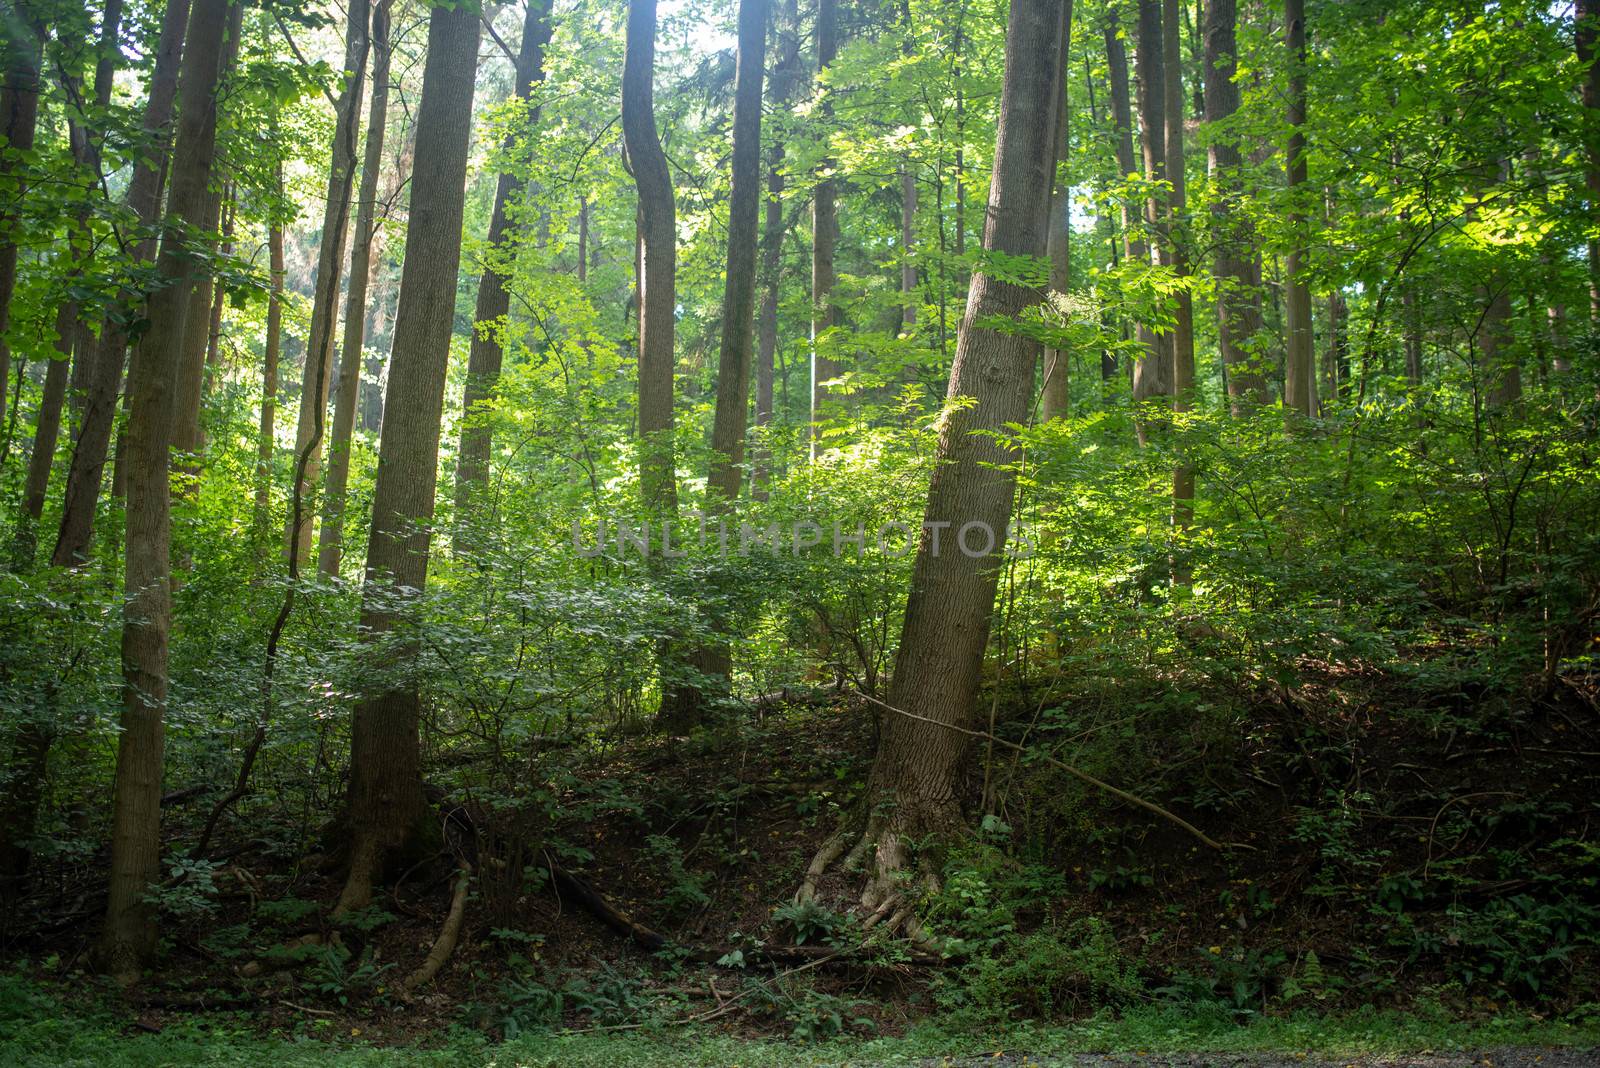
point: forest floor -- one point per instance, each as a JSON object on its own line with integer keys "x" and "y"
{"x": 705, "y": 841}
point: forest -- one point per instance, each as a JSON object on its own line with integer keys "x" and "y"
{"x": 716, "y": 532}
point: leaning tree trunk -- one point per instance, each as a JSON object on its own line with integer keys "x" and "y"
{"x": 913, "y": 788}
{"x": 657, "y": 261}
{"x": 1299, "y": 367}
{"x": 1236, "y": 267}
{"x": 90, "y": 450}
{"x": 330, "y": 540}
{"x": 385, "y": 800}
{"x": 46, "y": 428}
{"x": 325, "y": 296}
{"x": 129, "y": 939}
{"x": 487, "y": 352}
{"x": 784, "y": 76}
{"x": 19, "y": 113}
{"x": 824, "y": 233}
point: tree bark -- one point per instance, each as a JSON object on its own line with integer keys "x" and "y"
{"x": 1587, "y": 30}
{"x": 1056, "y": 399}
{"x": 494, "y": 301}
{"x": 267, "y": 435}
{"x": 914, "y": 779}
{"x": 1236, "y": 267}
{"x": 784, "y": 78}
{"x": 330, "y": 539}
{"x": 90, "y": 450}
{"x": 824, "y": 232}
{"x": 1299, "y": 372}
{"x": 385, "y": 799}
{"x": 1152, "y": 370}
{"x": 739, "y": 288}
{"x": 47, "y": 427}
{"x": 657, "y": 261}
{"x": 1177, "y": 211}
{"x": 129, "y": 938}
{"x": 330, "y": 262}
{"x": 19, "y": 114}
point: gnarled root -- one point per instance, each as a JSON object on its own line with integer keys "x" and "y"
{"x": 449, "y": 935}
{"x": 889, "y": 899}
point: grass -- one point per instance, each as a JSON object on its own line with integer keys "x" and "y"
{"x": 37, "y": 1030}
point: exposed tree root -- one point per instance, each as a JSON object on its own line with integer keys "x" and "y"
{"x": 889, "y": 899}
{"x": 449, "y": 935}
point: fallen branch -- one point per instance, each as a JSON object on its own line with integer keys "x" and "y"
{"x": 1132, "y": 799}
{"x": 449, "y": 934}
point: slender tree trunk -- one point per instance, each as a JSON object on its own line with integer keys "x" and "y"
{"x": 90, "y": 450}
{"x": 46, "y": 429}
{"x": 657, "y": 259}
{"x": 1236, "y": 267}
{"x": 1501, "y": 373}
{"x": 19, "y": 112}
{"x": 739, "y": 292}
{"x": 1177, "y": 221}
{"x": 1056, "y": 401}
{"x": 1299, "y": 371}
{"x": 913, "y": 788}
{"x": 494, "y": 301}
{"x": 1587, "y": 30}
{"x": 1135, "y": 249}
{"x": 267, "y": 435}
{"x": 385, "y": 801}
{"x": 330, "y": 539}
{"x": 330, "y": 262}
{"x": 824, "y": 234}
{"x": 784, "y": 78}
{"x": 1152, "y": 371}
{"x": 129, "y": 938}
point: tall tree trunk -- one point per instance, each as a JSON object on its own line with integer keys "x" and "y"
{"x": 1134, "y": 248}
{"x": 1056, "y": 402}
{"x": 190, "y": 390}
{"x": 1587, "y": 31}
{"x": 657, "y": 261}
{"x": 739, "y": 291}
{"x": 267, "y": 435}
{"x": 129, "y": 938}
{"x": 385, "y": 800}
{"x": 824, "y": 232}
{"x": 785, "y": 75}
{"x": 1299, "y": 370}
{"x": 1500, "y": 370}
{"x": 90, "y": 450}
{"x": 1152, "y": 370}
{"x": 494, "y": 301}
{"x": 47, "y": 426}
{"x": 330, "y": 262}
{"x": 1236, "y": 267}
{"x": 19, "y": 113}
{"x": 913, "y": 787}
{"x": 1177, "y": 216}
{"x": 330, "y": 540}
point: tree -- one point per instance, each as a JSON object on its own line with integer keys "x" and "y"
{"x": 19, "y": 111}
{"x": 785, "y": 77}
{"x": 330, "y": 262}
{"x": 912, "y": 791}
{"x": 657, "y": 261}
{"x": 824, "y": 230}
{"x": 266, "y": 436}
{"x": 90, "y": 449}
{"x": 1236, "y": 267}
{"x": 330, "y": 539}
{"x": 1152, "y": 371}
{"x": 494, "y": 301}
{"x": 1177, "y": 208}
{"x": 385, "y": 799}
{"x": 739, "y": 286}
{"x": 1299, "y": 367}
{"x": 1056, "y": 400}
{"x": 1586, "y": 32}
{"x": 129, "y": 938}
